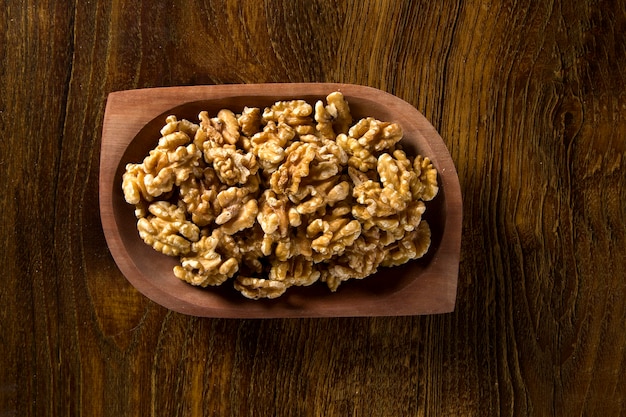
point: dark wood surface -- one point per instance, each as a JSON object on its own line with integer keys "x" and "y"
{"x": 530, "y": 98}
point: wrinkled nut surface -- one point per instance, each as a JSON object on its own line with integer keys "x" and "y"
{"x": 289, "y": 195}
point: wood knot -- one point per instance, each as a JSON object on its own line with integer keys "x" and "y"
{"x": 568, "y": 119}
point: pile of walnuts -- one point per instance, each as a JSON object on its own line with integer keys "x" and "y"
{"x": 286, "y": 196}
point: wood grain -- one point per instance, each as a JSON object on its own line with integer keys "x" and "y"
{"x": 530, "y": 100}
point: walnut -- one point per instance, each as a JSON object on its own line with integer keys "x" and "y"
{"x": 280, "y": 198}
{"x": 165, "y": 169}
{"x": 231, "y": 165}
{"x": 200, "y": 195}
{"x": 292, "y": 113}
{"x": 315, "y": 197}
{"x": 133, "y": 184}
{"x": 359, "y": 260}
{"x": 167, "y": 229}
{"x": 340, "y": 111}
{"x": 209, "y": 263}
{"x": 299, "y": 156}
{"x": 324, "y": 120}
{"x": 238, "y": 210}
{"x": 388, "y": 196}
{"x": 269, "y": 145}
{"x": 412, "y": 246}
{"x": 276, "y": 214}
{"x": 209, "y": 133}
{"x": 334, "y": 118}
{"x": 396, "y": 177}
{"x": 366, "y": 139}
{"x": 277, "y": 247}
{"x": 410, "y": 218}
{"x": 168, "y": 165}
{"x": 250, "y": 121}
{"x": 359, "y": 156}
{"x": 282, "y": 248}
{"x": 394, "y": 227}
{"x": 295, "y": 271}
{"x": 375, "y": 135}
{"x": 171, "y": 141}
{"x": 174, "y": 125}
{"x": 308, "y": 162}
{"x": 425, "y": 187}
{"x": 249, "y": 244}
{"x": 331, "y": 236}
{"x": 256, "y": 288}
{"x": 330, "y": 160}
{"x": 228, "y": 125}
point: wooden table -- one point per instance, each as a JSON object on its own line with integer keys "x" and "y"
{"x": 530, "y": 98}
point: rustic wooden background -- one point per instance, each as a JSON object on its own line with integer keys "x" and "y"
{"x": 529, "y": 96}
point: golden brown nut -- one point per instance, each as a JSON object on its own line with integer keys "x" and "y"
{"x": 238, "y": 210}
{"x": 231, "y": 165}
{"x": 293, "y": 113}
{"x": 316, "y": 197}
{"x": 388, "y": 196}
{"x": 206, "y": 132}
{"x": 375, "y": 135}
{"x": 250, "y": 121}
{"x": 166, "y": 169}
{"x": 359, "y": 156}
{"x": 360, "y": 260}
{"x": 412, "y": 246}
{"x": 200, "y": 196}
{"x": 297, "y": 271}
{"x": 276, "y": 214}
{"x": 330, "y": 160}
{"x": 256, "y": 288}
{"x": 287, "y": 178}
{"x": 366, "y": 139}
{"x": 167, "y": 229}
{"x": 226, "y": 123}
{"x": 248, "y": 243}
{"x": 307, "y": 166}
{"x": 210, "y": 133}
{"x": 168, "y": 165}
{"x": 269, "y": 144}
{"x": 324, "y": 121}
{"x": 174, "y": 125}
{"x": 210, "y": 262}
{"x": 340, "y": 111}
{"x": 133, "y": 184}
{"x": 425, "y": 187}
{"x": 331, "y": 236}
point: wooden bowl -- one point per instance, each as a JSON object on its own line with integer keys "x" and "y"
{"x": 131, "y": 127}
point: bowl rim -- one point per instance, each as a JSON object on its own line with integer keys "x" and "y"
{"x": 128, "y": 111}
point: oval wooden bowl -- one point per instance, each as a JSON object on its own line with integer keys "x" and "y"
{"x": 131, "y": 127}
